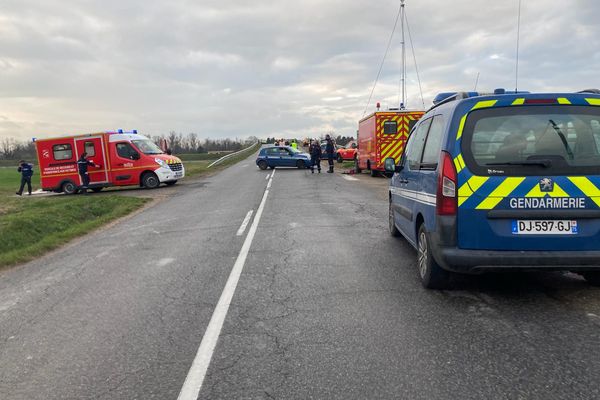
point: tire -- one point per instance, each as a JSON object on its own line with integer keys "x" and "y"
{"x": 150, "y": 180}
{"x": 432, "y": 275}
{"x": 592, "y": 277}
{"x": 357, "y": 169}
{"x": 340, "y": 159}
{"x": 300, "y": 164}
{"x": 96, "y": 189}
{"x": 170, "y": 183}
{"x": 262, "y": 164}
{"x": 374, "y": 173}
{"x": 391, "y": 225}
{"x": 69, "y": 188}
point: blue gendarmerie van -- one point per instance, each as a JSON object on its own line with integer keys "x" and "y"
{"x": 501, "y": 181}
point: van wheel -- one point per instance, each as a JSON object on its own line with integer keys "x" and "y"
{"x": 262, "y": 164}
{"x": 150, "y": 180}
{"x": 340, "y": 159}
{"x": 300, "y": 164}
{"x": 392, "y": 225}
{"x": 432, "y": 275}
{"x": 69, "y": 188}
{"x": 357, "y": 169}
{"x": 374, "y": 173}
{"x": 96, "y": 189}
{"x": 592, "y": 277}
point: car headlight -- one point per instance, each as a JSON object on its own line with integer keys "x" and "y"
{"x": 162, "y": 163}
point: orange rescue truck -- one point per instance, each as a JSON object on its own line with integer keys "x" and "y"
{"x": 120, "y": 158}
{"x": 382, "y": 135}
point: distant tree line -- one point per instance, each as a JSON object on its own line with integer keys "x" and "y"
{"x": 339, "y": 140}
{"x": 11, "y": 149}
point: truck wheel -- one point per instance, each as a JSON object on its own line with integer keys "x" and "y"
{"x": 300, "y": 164}
{"x": 432, "y": 275}
{"x": 262, "y": 164}
{"x": 393, "y": 230}
{"x": 340, "y": 159}
{"x": 150, "y": 180}
{"x": 357, "y": 169}
{"x": 374, "y": 173}
{"x": 96, "y": 189}
{"x": 69, "y": 188}
{"x": 170, "y": 183}
{"x": 592, "y": 277}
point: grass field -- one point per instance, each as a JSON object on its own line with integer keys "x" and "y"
{"x": 29, "y": 227}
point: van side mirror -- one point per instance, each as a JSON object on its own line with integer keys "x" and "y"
{"x": 390, "y": 165}
{"x": 354, "y": 145}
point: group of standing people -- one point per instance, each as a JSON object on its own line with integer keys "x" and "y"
{"x": 316, "y": 153}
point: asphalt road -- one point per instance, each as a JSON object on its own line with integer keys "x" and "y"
{"x": 327, "y": 306}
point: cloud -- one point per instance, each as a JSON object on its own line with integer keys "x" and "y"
{"x": 225, "y": 68}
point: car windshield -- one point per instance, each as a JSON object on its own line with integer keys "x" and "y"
{"x": 147, "y": 146}
{"x": 521, "y": 140}
{"x": 293, "y": 150}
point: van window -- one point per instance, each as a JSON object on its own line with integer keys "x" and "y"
{"x": 125, "y": 150}
{"x": 89, "y": 149}
{"x": 433, "y": 145}
{"x": 390, "y": 127}
{"x": 532, "y": 140}
{"x": 62, "y": 152}
{"x": 415, "y": 152}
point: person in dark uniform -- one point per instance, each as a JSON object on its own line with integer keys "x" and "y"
{"x": 330, "y": 151}
{"x": 26, "y": 171}
{"x": 315, "y": 156}
{"x": 82, "y": 166}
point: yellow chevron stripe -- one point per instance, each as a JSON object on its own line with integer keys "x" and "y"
{"x": 459, "y": 163}
{"x": 587, "y": 187}
{"x": 484, "y": 104}
{"x": 498, "y": 194}
{"x": 563, "y": 100}
{"x": 557, "y": 192}
{"x": 593, "y": 102}
{"x": 470, "y": 187}
{"x": 518, "y": 102}
{"x": 461, "y": 127}
{"x": 392, "y": 149}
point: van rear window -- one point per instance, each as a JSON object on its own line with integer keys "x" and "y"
{"x": 533, "y": 140}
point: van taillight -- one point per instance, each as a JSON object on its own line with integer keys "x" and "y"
{"x": 446, "y": 191}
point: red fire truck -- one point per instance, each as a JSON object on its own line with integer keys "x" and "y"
{"x": 120, "y": 158}
{"x": 382, "y": 135}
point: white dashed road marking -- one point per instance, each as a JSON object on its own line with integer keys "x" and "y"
{"x": 349, "y": 178}
{"x": 195, "y": 377}
{"x": 240, "y": 231}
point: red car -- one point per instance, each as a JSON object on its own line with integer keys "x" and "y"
{"x": 347, "y": 153}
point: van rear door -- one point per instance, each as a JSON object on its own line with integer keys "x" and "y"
{"x": 529, "y": 178}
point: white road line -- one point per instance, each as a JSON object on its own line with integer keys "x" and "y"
{"x": 195, "y": 377}
{"x": 240, "y": 231}
{"x": 349, "y": 178}
{"x": 267, "y": 177}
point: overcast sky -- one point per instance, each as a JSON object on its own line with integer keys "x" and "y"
{"x": 269, "y": 67}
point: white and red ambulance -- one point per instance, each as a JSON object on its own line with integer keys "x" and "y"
{"x": 120, "y": 158}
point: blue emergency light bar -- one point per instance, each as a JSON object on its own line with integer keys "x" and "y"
{"x": 134, "y": 131}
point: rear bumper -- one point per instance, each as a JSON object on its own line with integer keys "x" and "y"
{"x": 477, "y": 261}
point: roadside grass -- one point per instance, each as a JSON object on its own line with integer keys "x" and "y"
{"x": 29, "y": 227}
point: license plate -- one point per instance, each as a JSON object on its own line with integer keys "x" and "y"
{"x": 178, "y": 174}
{"x": 544, "y": 227}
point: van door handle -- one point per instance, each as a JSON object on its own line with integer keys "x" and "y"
{"x": 403, "y": 180}
{"x": 120, "y": 165}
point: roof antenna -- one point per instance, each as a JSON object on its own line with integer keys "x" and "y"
{"x": 518, "y": 34}
{"x": 403, "y": 78}
{"x": 476, "y": 82}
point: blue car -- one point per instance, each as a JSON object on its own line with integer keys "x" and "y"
{"x": 282, "y": 156}
{"x": 501, "y": 181}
